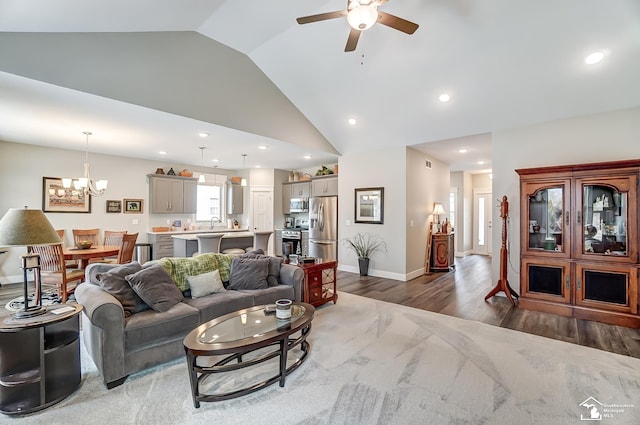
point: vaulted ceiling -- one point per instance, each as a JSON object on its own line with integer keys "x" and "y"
{"x": 149, "y": 75}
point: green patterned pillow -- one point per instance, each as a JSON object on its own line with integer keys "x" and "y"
{"x": 181, "y": 268}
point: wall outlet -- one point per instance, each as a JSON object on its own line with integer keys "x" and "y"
{"x": 134, "y": 221}
{"x": 411, "y": 223}
{"x": 347, "y": 223}
{"x": 169, "y": 221}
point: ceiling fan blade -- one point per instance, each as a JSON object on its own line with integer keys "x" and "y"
{"x": 352, "y": 41}
{"x": 321, "y": 17}
{"x": 397, "y": 23}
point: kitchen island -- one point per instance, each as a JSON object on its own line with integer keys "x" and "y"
{"x": 162, "y": 242}
{"x": 186, "y": 244}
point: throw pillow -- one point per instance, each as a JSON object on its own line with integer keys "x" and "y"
{"x": 114, "y": 282}
{"x": 154, "y": 285}
{"x": 205, "y": 284}
{"x": 249, "y": 273}
{"x": 273, "y": 279}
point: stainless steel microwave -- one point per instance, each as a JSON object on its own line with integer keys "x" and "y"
{"x": 299, "y": 205}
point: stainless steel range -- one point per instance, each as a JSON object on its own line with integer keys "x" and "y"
{"x": 293, "y": 237}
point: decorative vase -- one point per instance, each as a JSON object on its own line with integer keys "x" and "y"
{"x": 364, "y": 266}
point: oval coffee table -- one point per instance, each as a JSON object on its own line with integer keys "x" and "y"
{"x": 249, "y": 332}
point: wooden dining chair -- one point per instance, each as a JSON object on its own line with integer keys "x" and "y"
{"x": 127, "y": 246}
{"x": 85, "y": 235}
{"x": 53, "y": 270}
{"x": 113, "y": 237}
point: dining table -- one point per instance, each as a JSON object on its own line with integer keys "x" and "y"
{"x": 84, "y": 255}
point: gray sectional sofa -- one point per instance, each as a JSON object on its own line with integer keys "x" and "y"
{"x": 121, "y": 343}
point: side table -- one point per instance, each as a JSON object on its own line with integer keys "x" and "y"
{"x": 39, "y": 359}
{"x": 320, "y": 283}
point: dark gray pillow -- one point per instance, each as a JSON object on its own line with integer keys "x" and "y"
{"x": 249, "y": 273}
{"x": 273, "y": 279}
{"x": 114, "y": 282}
{"x": 154, "y": 285}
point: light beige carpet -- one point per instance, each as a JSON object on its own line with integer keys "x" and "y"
{"x": 378, "y": 363}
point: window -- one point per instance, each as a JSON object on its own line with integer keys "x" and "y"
{"x": 210, "y": 202}
{"x": 452, "y": 207}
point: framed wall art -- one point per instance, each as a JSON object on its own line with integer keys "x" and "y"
{"x": 133, "y": 206}
{"x": 56, "y": 198}
{"x": 114, "y": 206}
{"x": 369, "y": 205}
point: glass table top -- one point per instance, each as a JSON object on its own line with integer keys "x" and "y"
{"x": 250, "y": 324}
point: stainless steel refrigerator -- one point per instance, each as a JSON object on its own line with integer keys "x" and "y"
{"x": 323, "y": 227}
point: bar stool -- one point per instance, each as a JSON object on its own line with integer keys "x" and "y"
{"x": 209, "y": 242}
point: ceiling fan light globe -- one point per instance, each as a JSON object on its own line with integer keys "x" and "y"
{"x": 362, "y": 17}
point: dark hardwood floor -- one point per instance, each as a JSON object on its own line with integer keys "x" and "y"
{"x": 461, "y": 293}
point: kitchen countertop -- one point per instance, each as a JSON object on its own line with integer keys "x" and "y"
{"x": 227, "y": 235}
{"x": 182, "y": 232}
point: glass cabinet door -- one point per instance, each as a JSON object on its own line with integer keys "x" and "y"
{"x": 548, "y": 219}
{"x": 603, "y": 219}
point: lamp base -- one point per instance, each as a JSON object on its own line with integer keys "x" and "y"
{"x": 29, "y": 312}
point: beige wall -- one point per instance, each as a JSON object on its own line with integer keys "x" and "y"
{"x": 595, "y": 138}
{"x": 409, "y": 191}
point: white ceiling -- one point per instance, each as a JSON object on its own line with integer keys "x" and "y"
{"x": 505, "y": 63}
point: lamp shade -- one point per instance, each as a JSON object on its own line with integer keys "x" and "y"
{"x": 21, "y": 227}
{"x": 438, "y": 209}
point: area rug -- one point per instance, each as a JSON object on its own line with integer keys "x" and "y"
{"x": 373, "y": 362}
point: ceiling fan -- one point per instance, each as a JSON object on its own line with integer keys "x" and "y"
{"x": 361, "y": 15}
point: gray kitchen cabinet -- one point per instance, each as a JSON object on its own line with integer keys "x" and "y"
{"x": 161, "y": 245}
{"x": 294, "y": 190}
{"x": 235, "y": 194}
{"x": 172, "y": 194}
{"x": 305, "y": 243}
{"x": 324, "y": 186}
{"x": 278, "y": 243}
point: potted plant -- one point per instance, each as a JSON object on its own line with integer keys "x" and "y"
{"x": 365, "y": 245}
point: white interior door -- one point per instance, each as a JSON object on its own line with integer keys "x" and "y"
{"x": 482, "y": 222}
{"x": 262, "y": 212}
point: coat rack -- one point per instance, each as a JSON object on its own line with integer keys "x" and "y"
{"x": 503, "y": 283}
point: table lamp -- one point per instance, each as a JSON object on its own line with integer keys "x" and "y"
{"x": 23, "y": 227}
{"x": 438, "y": 209}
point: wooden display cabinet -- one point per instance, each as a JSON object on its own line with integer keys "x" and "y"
{"x": 579, "y": 241}
{"x": 320, "y": 283}
{"x": 443, "y": 255}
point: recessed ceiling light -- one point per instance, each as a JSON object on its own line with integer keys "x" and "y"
{"x": 307, "y": 157}
{"x": 594, "y": 58}
{"x": 352, "y": 121}
{"x": 480, "y": 162}
{"x": 462, "y": 150}
{"x": 444, "y": 97}
{"x": 203, "y": 134}
{"x": 162, "y": 153}
{"x": 258, "y": 166}
{"x": 263, "y": 147}
{"x": 215, "y": 160}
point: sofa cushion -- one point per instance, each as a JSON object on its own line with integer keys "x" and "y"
{"x": 216, "y": 305}
{"x": 150, "y": 328}
{"x": 156, "y": 288}
{"x": 180, "y": 268}
{"x": 249, "y": 273}
{"x": 205, "y": 284}
{"x": 114, "y": 282}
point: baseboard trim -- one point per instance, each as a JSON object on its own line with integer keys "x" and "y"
{"x": 376, "y": 273}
